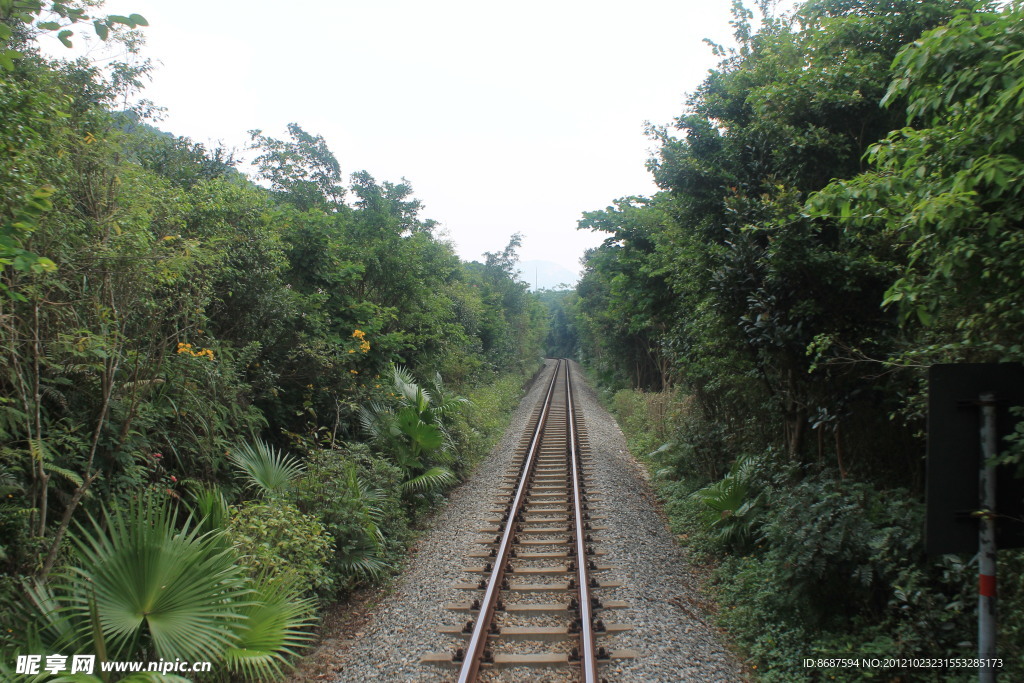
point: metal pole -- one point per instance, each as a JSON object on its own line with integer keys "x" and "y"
{"x": 987, "y": 541}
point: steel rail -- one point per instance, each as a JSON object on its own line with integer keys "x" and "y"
{"x": 477, "y": 642}
{"x": 587, "y": 651}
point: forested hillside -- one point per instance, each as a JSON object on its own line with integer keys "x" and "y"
{"x": 225, "y": 399}
{"x": 840, "y": 207}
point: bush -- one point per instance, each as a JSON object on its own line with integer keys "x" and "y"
{"x": 839, "y": 571}
{"x": 277, "y": 539}
{"x": 357, "y": 498}
{"x": 481, "y": 422}
{"x": 644, "y": 418}
{"x": 675, "y": 436}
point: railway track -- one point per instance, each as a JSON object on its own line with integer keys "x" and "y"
{"x": 538, "y": 599}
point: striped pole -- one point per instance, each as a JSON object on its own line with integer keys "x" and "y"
{"x": 987, "y": 541}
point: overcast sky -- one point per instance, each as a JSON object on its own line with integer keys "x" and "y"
{"x": 504, "y": 117}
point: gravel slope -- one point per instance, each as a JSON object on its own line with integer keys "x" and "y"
{"x": 670, "y": 632}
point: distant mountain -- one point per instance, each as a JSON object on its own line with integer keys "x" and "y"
{"x": 546, "y": 275}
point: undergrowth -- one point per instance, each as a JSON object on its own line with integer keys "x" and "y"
{"x": 810, "y": 564}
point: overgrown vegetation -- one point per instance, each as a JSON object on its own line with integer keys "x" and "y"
{"x": 221, "y": 402}
{"x": 840, "y": 208}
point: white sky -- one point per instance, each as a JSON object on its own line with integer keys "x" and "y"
{"x": 505, "y": 117}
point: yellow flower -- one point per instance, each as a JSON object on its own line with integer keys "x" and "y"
{"x": 354, "y": 372}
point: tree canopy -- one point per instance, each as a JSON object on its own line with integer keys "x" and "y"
{"x": 161, "y": 311}
{"x": 839, "y": 209}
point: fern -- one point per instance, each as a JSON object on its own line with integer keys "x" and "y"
{"x": 40, "y": 452}
{"x": 728, "y": 513}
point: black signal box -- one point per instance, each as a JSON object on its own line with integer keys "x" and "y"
{"x": 955, "y": 455}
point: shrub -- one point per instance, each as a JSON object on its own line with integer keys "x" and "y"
{"x": 277, "y": 539}
{"x": 729, "y": 506}
{"x": 478, "y": 426}
{"x": 839, "y": 571}
{"x": 357, "y": 498}
{"x": 642, "y": 418}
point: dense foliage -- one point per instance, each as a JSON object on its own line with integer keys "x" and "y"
{"x": 187, "y": 353}
{"x": 840, "y": 208}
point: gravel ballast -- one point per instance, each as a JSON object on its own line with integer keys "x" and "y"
{"x": 670, "y": 632}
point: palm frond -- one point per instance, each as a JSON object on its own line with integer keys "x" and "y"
{"x": 275, "y": 626}
{"x": 450, "y": 405}
{"x": 445, "y": 454}
{"x": 433, "y": 479}
{"x": 268, "y": 469}
{"x": 210, "y": 505}
{"x": 50, "y": 626}
{"x": 152, "y": 579}
{"x": 370, "y": 498}
{"x": 363, "y": 561}
{"x": 404, "y": 382}
{"x": 423, "y": 435}
{"x": 377, "y": 420}
{"x": 444, "y": 404}
{"x": 729, "y": 513}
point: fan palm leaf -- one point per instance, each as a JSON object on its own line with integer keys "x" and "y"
{"x": 728, "y": 511}
{"x": 57, "y": 632}
{"x": 363, "y": 561}
{"x": 413, "y": 394}
{"x": 443, "y": 404}
{"x": 423, "y": 435}
{"x": 275, "y": 627}
{"x": 154, "y": 585}
{"x": 268, "y": 469}
{"x": 377, "y": 421}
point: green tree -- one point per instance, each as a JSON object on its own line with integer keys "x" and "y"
{"x": 947, "y": 188}
{"x": 627, "y": 329}
{"x": 302, "y": 170}
{"x": 158, "y": 308}
{"x": 794, "y": 106}
{"x": 19, "y": 17}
